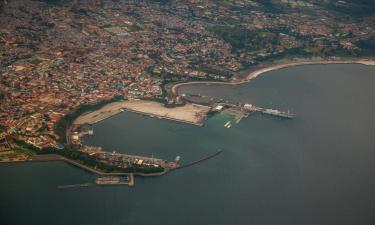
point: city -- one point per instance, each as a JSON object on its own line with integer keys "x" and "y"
{"x": 274, "y": 96}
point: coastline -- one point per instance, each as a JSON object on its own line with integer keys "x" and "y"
{"x": 264, "y": 69}
{"x": 189, "y": 113}
{"x": 59, "y": 158}
{"x": 154, "y": 109}
{"x": 157, "y": 110}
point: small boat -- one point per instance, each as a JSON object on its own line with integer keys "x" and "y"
{"x": 73, "y": 186}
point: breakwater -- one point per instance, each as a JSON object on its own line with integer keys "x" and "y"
{"x": 199, "y": 160}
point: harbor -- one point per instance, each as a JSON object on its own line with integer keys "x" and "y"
{"x": 272, "y": 112}
{"x": 240, "y": 110}
{"x": 194, "y": 109}
{"x": 260, "y": 158}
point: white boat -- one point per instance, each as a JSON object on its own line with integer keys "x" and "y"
{"x": 228, "y": 124}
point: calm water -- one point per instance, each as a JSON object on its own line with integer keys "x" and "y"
{"x": 316, "y": 169}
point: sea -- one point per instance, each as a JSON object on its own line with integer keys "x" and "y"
{"x": 318, "y": 168}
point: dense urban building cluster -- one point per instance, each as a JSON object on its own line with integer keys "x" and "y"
{"x": 56, "y": 56}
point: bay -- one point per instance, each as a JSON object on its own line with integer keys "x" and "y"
{"x": 318, "y": 168}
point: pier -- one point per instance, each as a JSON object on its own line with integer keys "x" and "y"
{"x": 238, "y": 109}
{"x": 116, "y": 180}
{"x": 189, "y": 113}
{"x": 273, "y": 112}
{"x": 107, "y": 180}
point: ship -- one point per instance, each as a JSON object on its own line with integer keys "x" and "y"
{"x": 278, "y": 113}
{"x": 73, "y": 186}
{"x": 228, "y": 124}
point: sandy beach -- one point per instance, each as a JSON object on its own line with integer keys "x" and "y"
{"x": 254, "y": 74}
{"x": 189, "y": 113}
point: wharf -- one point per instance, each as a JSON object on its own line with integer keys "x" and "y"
{"x": 116, "y": 180}
{"x": 240, "y": 110}
{"x": 274, "y": 112}
{"x": 189, "y": 113}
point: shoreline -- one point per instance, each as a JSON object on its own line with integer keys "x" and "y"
{"x": 114, "y": 108}
{"x": 200, "y": 124}
{"x": 138, "y": 106}
{"x": 189, "y": 113}
{"x": 264, "y": 69}
{"x": 58, "y": 158}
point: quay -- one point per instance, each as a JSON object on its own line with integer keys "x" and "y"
{"x": 199, "y": 122}
{"x": 107, "y": 180}
{"x": 240, "y": 110}
{"x": 116, "y": 180}
{"x": 273, "y": 112}
{"x": 124, "y": 160}
{"x": 189, "y": 113}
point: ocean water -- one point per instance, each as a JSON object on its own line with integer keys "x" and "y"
{"x": 318, "y": 168}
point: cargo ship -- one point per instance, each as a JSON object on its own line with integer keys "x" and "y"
{"x": 73, "y": 186}
{"x": 278, "y": 113}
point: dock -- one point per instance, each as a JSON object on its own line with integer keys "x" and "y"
{"x": 116, "y": 180}
{"x": 273, "y": 112}
{"x": 240, "y": 110}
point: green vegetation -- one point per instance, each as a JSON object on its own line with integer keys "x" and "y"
{"x": 253, "y": 41}
{"x": 50, "y": 25}
{"x": 353, "y": 8}
{"x": 36, "y": 61}
{"x": 135, "y": 27}
{"x": 367, "y": 47}
{"x": 159, "y": 100}
{"x": 54, "y": 2}
{"x": 245, "y": 39}
{"x": 23, "y": 151}
{"x": 85, "y": 159}
{"x": 211, "y": 70}
{"x": 22, "y": 144}
{"x": 270, "y": 6}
